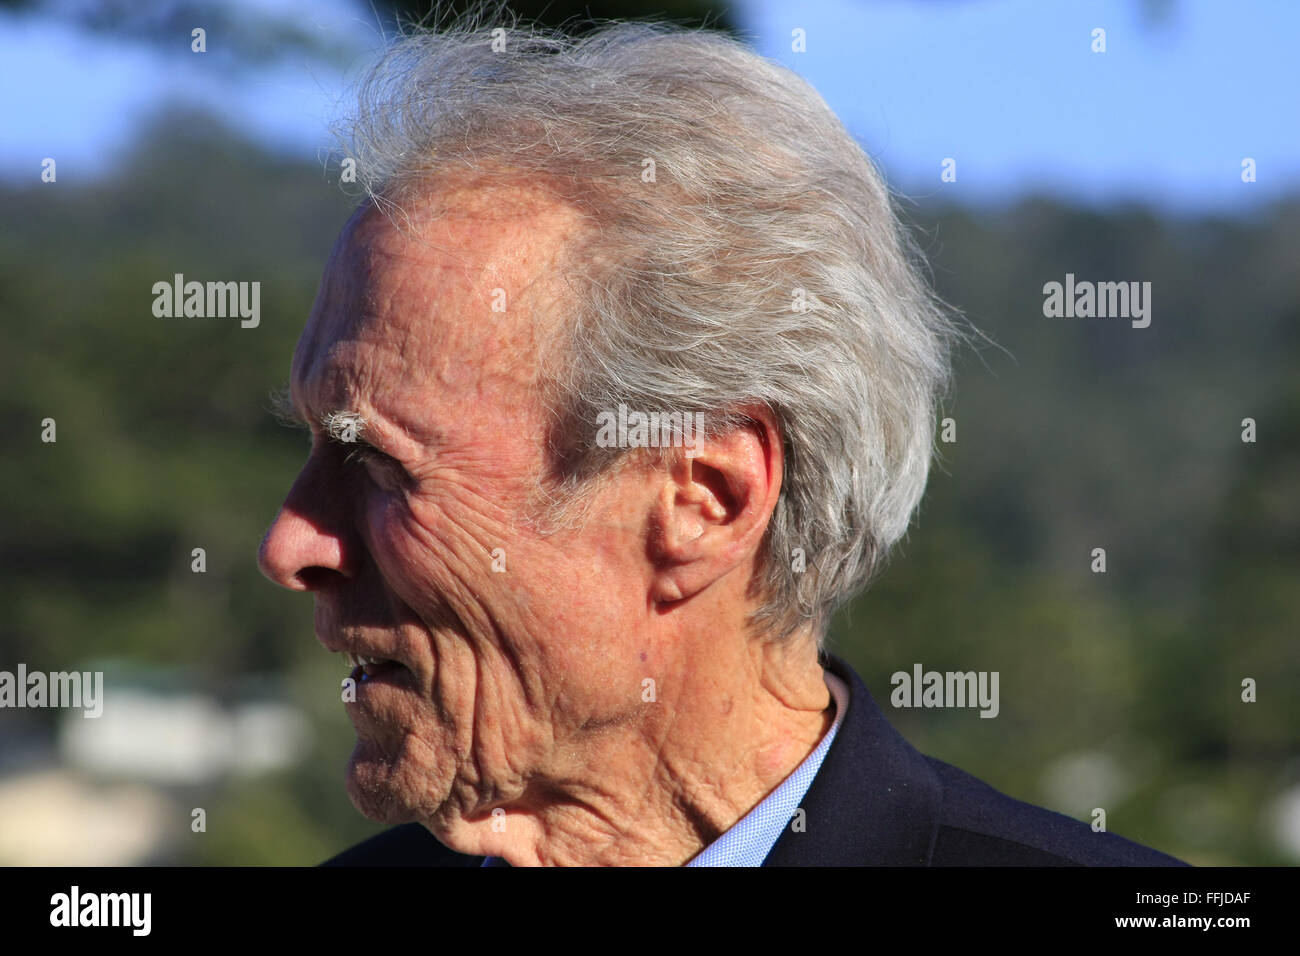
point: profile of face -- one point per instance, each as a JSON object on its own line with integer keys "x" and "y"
{"x": 408, "y": 524}
{"x": 509, "y": 661}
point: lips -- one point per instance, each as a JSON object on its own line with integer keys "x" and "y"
{"x": 370, "y": 666}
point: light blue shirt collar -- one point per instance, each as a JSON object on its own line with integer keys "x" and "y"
{"x": 752, "y": 837}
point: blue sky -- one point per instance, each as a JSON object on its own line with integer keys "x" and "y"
{"x": 1010, "y": 89}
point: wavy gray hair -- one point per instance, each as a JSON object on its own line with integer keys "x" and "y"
{"x": 745, "y": 251}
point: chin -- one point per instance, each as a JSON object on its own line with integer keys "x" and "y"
{"x": 387, "y": 787}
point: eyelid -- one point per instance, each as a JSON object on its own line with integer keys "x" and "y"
{"x": 358, "y": 452}
{"x": 357, "y": 448}
{"x": 355, "y": 452}
{"x": 361, "y": 450}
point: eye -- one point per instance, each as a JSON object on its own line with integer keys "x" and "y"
{"x": 384, "y": 470}
{"x": 359, "y": 454}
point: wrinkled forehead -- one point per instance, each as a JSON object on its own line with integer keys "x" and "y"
{"x": 462, "y": 291}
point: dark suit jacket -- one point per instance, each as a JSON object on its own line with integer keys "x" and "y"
{"x": 875, "y": 801}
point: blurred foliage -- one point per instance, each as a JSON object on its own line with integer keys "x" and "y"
{"x": 248, "y": 35}
{"x": 1072, "y": 434}
{"x": 576, "y": 15}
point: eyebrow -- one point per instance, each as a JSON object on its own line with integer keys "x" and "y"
{"x": 344, "y": 426}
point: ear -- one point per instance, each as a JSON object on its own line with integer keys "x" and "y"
{"x": 712, "y": 512}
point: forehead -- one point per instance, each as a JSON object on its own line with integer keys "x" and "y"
{"x": 450, "y": 301}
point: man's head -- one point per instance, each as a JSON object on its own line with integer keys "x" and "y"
{"x": 644, "y": 221}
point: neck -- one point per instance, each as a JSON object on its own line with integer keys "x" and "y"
{"x": 731, "y": 721}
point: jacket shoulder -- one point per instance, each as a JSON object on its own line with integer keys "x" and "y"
{"x": 406, "y": 845}
{"x": 980, "y": 826}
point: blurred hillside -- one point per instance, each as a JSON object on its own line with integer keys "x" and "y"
{"x": 1118, "y": 690}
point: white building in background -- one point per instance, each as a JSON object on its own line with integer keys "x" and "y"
{"x": 110, "y": 792}
{"x": 183, "y": 739}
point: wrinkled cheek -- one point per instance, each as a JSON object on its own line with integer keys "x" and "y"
{"x": 423, "y": 572}
{"x": 404, "y": 551}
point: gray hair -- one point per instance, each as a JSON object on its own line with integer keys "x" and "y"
{"x": 759, "y": 261}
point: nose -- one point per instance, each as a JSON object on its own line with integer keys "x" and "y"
{"x": 310, "y": 541}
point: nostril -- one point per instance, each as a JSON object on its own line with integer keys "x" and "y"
{"x": 315, "y": 578}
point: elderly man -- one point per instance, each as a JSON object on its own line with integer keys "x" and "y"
{"x": 620, "y": 381}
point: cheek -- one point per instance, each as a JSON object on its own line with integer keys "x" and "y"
{"x": 405, "y": 552}
{"x": 578, "y": 617}
{"x": 427, "y": 558}
{"x": 551, "y": 599}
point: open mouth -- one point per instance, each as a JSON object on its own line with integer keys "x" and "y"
{"x": 371, "y": 666}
